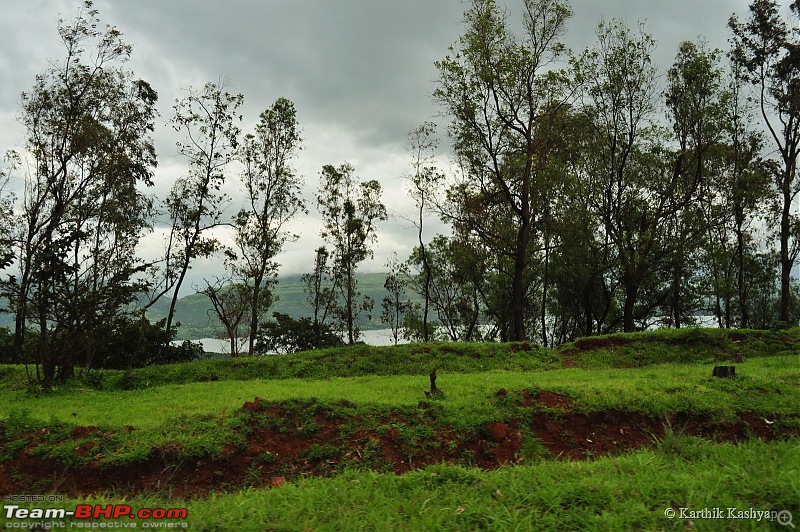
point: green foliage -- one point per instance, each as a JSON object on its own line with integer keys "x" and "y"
{"x": 321, "y": 453}
{"x": 504, "y": 92}
{"x": 6, "y": 346}
{"x": 273, "y": 199}
{"x": 532, "y": 450}
{"x": 89, "y": 125}
{"x": 350, "y": 210}
{"x": 19, "y": 421}
{"x": 207, "y": 120}
{"x": 138, "y": 343}
{"x": 457, "y": 280}
{"x": 288, "y": 335}
{"x": 394, "y": 305}
{"x": 11, "y": 448}
{"x": 764, "y": 50}
{"x": 684, "y": 346}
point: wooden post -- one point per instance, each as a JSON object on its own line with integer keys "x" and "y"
{"x": 434, "y": 392}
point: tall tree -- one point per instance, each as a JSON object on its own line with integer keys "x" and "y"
{"x": 273, "y": 197}
{"x": 320, "y": 287}
{"x": 583, "y": 295}
{"x": 231, "y": 301}
{"x": 768, "y": 50}
{"x": 635, "y": 189}
{"x": 350, "y": 210}
{"x": 207, "y": 119}
{"x": 500, "y": 91}
{"x": 394, "y": 305}
{"x": 695, "y": 100}
{"x": 745, "y": 186}
{"x": 458, "y": 277}
{"x": 423, "y": 182}
{"x": 88, "y": 127}
{"x": 6, "y": 213}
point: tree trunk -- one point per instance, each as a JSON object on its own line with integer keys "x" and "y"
{"x": 426, "y": 268}
{"x": 724, "y": 372}
{"x": 233, "y": 340}
{"x": 254, "y": 306}
{"x": 677, "y": 282}
{"x": 630, "y": 304}
{"x": 786, "y": 261}
{"x": 46, "y": 358}
{"x": 350, "y": 336}
{"x": 20, "y": 316}
{"x": 173, "y": 303}
{"x": 517, "y": 286}
{"x": 19, "y": 337}
{"x": 742, "y": 291}
{"x": 545, "y": 280}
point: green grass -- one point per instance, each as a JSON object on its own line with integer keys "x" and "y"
{"x": 198, "y": 419}
{"x": 763, "y": 385}
{"x": 637, "y": 350}
{"x": 629, "y": 492}
{"x": 691, "y": 345}
{"x": 184, "y": 411}
{"x": 359, "y": 360}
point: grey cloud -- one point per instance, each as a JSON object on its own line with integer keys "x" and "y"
{"x": 360, "y": 72}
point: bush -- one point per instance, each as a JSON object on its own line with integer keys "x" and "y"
{"x": 136, "y": 343}
{"x": 288, "y": 335}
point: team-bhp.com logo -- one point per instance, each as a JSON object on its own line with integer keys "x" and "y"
{"x": 96, "y": 511}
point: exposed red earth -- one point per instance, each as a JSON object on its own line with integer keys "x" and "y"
{"x": 279, "y": 448}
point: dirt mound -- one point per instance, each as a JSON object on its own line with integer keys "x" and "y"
{"x": 290, "y": 440}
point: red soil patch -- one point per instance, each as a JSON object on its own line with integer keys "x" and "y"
{"x": 286, "y": 442}
{"x": 546, "y": 399}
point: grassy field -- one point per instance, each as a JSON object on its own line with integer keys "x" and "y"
{"x": 605, "y": 433}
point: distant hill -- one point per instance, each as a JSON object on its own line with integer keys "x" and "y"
{"x": 196, "y": 315}
{"x": 197, "y": 319}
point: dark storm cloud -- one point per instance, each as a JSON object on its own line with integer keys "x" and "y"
{"x": 360, "y": 72}
{"x": 367, "y": 66}
{"x": 668, "y": 21}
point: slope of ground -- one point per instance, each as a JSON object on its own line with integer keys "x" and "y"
{"x": 200, "y": 430}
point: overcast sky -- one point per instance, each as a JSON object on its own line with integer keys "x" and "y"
{"x": 360, "y": 73}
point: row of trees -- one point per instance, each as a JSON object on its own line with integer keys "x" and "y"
{"x": 585, "y": 197}
{"x": 71, "y": 233}
{"x": 588, "y": 199}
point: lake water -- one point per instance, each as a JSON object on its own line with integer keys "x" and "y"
{"x": 384, "y": 337}
{"x": 376, "y": 337}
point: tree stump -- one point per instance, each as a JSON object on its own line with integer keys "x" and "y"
{"x": 434, "y": 392}
{"x": 724, "y": 372}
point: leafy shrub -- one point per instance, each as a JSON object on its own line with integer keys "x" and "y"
{"x": 138, "y": 343}
{"x": 288, "y": 335}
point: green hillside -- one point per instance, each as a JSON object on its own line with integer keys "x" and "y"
{"x": 622, "y": 432}
{"x": 196, "y": 315}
